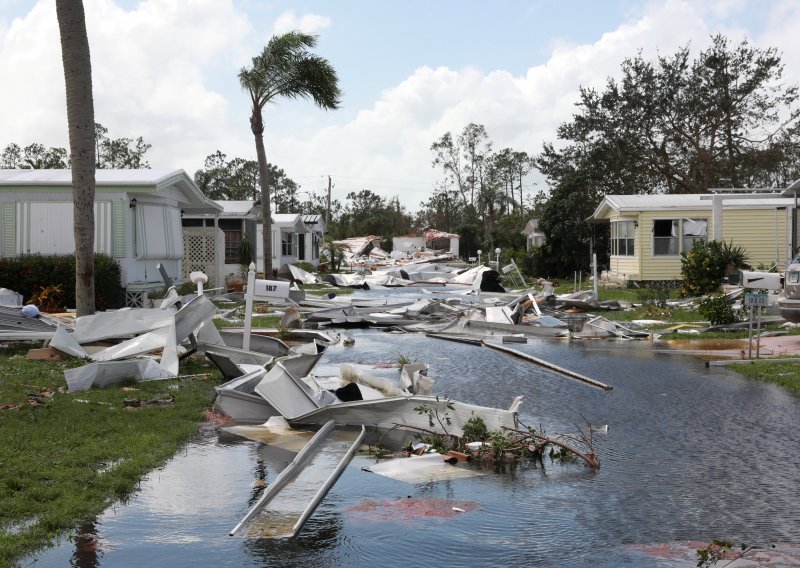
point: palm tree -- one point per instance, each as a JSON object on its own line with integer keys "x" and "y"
{"x": 80, "y": 119}
{"x": 285, "y": 68}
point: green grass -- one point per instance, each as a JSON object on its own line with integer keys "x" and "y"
{"x": 257, "y": 321}
{"x": 66, "y": 461}
{"x": 786, "y": 374}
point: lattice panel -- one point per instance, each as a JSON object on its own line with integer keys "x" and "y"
{"x": 199, "y": 254}
{"x": 135, "y": 299}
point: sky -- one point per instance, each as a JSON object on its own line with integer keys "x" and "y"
{"x": 411, "y": 71}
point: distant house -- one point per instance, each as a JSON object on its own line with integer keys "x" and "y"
{"x": 288, "y": 240}
{"x": 649, "y": 232}
{"x": 408, "y": 244}
{"x": 137, "y": 219}
{"x": 212, "y": 241}
{"x": 432, "y": 240}
{"x": 534, "y": 237}
{"x": 313, "y": 239}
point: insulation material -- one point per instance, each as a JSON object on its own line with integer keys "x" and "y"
{"x": 421, "y": 469}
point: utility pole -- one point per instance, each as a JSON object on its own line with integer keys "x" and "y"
{"x": 328, "y": 209}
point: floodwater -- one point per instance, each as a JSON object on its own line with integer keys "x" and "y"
{"x": 691, "y": 454}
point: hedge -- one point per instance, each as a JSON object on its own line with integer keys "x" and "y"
{"x": 34, "y": 274}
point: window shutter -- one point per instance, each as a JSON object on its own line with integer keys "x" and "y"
{"x": 8, "y": 221}
{"x": 119, "y": 246}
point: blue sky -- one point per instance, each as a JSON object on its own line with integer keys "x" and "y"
{"x": 410, "y": 71}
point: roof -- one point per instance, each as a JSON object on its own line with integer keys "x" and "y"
{"x": 682, "y": 202}
{"x": 188, "y": 194}
{"x": 102, "y": 177}
{"x": 235, "y": 207}
{"x": 432, "y": 234}
{"x": 532, "y": 228}
{"x": 286, "y": 218}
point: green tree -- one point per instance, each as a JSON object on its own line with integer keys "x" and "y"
{"x": 80, "y": 119}
{"x": 284, "y": 68}
{"x": 442, "y": 210}
{"x": 679, "y": 125}
{"x": 38, "y": 157}
{"x": 119, "y": 153}
{"x": 237, "y": 179}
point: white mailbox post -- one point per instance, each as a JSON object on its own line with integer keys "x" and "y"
{"x": 264, "y": 290}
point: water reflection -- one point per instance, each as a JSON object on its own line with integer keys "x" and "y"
{"x": 87, "y": 549}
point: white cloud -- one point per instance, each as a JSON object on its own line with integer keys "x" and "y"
{"x": 149, "y": 70}
{"x": 309, "y": 23}
{"x": 167, "y": 72}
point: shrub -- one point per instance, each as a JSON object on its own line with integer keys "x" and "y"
{"x": 31, "y": 274}
{"x": 704, "y": 267}
{"x": 717, "y": 309}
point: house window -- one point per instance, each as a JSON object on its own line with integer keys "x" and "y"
{"x": 233, "y": 238}
{"x": 622, "y": 238}
{"x": 673, "y": 236}
{"x": 286, "y": 244}
{"x": 694, "y": 230}
{"x": 314, "y": 247}
{"x": 301, "y": 246}
{"x": 666, "y": 238}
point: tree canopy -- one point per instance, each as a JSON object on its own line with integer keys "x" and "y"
{"x": 110, "y": 153}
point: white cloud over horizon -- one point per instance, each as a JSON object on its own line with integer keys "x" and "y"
{"x": 167, "y": 72}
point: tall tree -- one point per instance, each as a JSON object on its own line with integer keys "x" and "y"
{"x": 679, "y": 125}
{"x": 284, "y": 68}
{"x": 80, "y": 119}
{"x": 119, "y": 153}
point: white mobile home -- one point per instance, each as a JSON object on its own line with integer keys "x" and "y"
{"x": 137, "y": 219}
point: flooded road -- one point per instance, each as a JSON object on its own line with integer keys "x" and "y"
{"x": 691, "y": 453}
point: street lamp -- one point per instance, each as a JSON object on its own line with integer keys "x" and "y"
{"x": 497, "y": 252}
{"x": 479, "y": 256}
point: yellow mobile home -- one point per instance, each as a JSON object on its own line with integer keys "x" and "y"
{"x": 649, "y": 232}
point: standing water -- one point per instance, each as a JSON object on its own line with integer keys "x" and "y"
{"x": 691, "y": 454}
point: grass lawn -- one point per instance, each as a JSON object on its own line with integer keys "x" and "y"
{"x": 786, "y": 374}
{"x": 65, "y": 457}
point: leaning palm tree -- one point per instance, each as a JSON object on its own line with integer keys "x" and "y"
{"x": 80, "y": 119}
{"x": 285, "y": 68}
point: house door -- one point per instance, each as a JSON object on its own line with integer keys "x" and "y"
{"x": 301, "y": 246}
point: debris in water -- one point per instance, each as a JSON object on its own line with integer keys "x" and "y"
{"x": 411, "y": 508}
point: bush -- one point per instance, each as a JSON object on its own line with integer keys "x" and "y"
{"x": 307, "y": 266}
{"x": 717, "y": 309}
{"x": 704, "y": 267}
{"x": 31, "y": 274}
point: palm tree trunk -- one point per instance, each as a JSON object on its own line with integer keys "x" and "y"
{"x": 80, "y": 118}
{"x": 257, "y": 126}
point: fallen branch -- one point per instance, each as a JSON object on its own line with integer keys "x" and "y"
{"x": 590, "y": 458}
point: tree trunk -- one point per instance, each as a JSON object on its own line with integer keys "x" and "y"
{"x": 80, "y": 118}
{"x": 257, "y": 126}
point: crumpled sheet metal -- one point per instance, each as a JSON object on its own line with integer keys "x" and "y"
{"x": 109, "y": 373}
{"x": 122, "y": 323}
{"x": 64, "y": 342}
